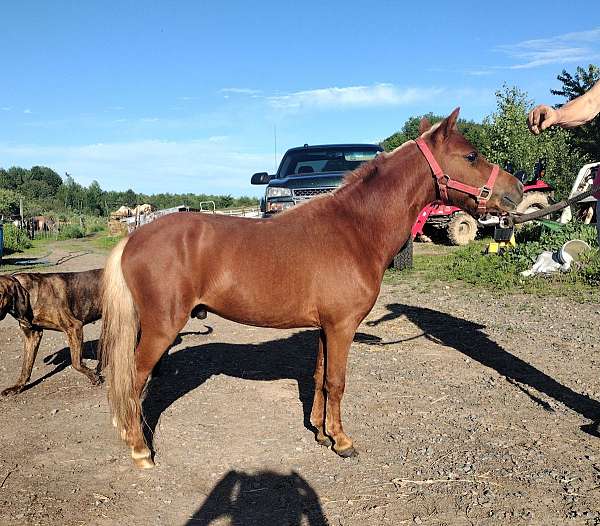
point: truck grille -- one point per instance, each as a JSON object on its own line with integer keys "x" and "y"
{"x": 302, "y": 194}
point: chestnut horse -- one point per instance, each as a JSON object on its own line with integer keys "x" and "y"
{"x": 316, "y": 265}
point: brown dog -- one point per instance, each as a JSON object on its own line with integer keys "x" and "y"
{"x": 64, "y": 301}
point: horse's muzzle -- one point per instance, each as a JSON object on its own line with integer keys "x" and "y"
{"x": 511, "y": 200}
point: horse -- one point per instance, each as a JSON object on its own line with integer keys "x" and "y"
{"x": 319, "y": 264}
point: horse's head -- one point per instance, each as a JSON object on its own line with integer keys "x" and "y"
{"x": 466, "y": 173}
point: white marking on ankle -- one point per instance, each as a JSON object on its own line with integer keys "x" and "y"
{"x": 141, "y": 454}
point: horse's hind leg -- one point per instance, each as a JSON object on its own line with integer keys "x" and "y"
{"x": 155, "y": 340}
{"x": 32, "y": 343}
{"x": 317, "y": 415}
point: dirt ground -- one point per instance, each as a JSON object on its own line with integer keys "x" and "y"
{"x": 466, "y": 408}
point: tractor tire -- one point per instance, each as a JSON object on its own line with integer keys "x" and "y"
{"x": 404, "y": 258}
{"x": 533, "y": 201}
{"x": 462, "y": 229}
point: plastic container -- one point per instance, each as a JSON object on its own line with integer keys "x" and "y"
{"x": 571, "y": 251}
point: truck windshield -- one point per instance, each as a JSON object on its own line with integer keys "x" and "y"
{"x": 304, "y": 162}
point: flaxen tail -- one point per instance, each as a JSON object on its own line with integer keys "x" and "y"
{"x": 120, "y": 326}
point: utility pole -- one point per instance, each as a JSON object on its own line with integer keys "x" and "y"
{"x": 275, "y": 141}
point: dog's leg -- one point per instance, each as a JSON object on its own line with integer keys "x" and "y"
{"x": 32, "y": 338}
{"x": 74, "y": 333}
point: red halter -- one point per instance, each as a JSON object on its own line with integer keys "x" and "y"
{"x": 481, "y": 194}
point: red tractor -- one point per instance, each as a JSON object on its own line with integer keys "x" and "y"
{"x": 461, "y": 227}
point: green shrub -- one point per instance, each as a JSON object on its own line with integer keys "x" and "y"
{"x": 71, "y": 232}
{"x": 15, "y": 239}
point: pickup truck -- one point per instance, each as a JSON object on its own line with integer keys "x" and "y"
{"x": 309, "y": 171}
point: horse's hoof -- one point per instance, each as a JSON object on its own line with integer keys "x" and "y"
{"x": 347, "y": 453}
{"x": 325, "y": 441}
{"x": 97, "y": 380}
{"x": 143, "y": 463}
{"x": 142, "y": 459}
{"x": 11, "y": 391}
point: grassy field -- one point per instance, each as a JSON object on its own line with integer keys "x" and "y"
{"x": 42, "y": 249}
{"x": 470, "y": 266}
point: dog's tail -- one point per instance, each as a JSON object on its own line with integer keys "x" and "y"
{"x": 120, "y": 327}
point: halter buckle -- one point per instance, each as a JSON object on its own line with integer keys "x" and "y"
{"x": 484, "y": 193}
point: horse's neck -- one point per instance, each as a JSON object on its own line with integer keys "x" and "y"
{"x": 386, "y": 205}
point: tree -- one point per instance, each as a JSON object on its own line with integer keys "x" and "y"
{"x": 35, "y": 189}
{"x": 474, "y": 132}
{"x": 46, "y": 175}
{"x": 6, "y": 181}
{"x": 93, "y": 198}
{"x": 130, "y": 198}
{"x": 17, "y": 176}
{"x": 586, "y": 137}
{"x": 9, "y": 202}
{"x": 70, "y": 195}
{"x": 508, "y": 139}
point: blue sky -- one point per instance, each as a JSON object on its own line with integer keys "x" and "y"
{"x": 184, "y": 96}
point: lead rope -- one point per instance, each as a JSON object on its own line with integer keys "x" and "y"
{"x": 522, "y": 218}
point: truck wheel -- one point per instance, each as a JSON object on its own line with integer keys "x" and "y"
{"x": 404, "y": 258}
{"x": 533, "y": 201}
{"x": 462, "y": 229}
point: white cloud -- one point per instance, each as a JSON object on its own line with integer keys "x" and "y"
{"x": 479, "y": 72}
{"x": 5, "y": 108}
{"x": 218, "y": 138}
{"x": 241, "y": 91}
{"x": 27, "y": 111}
{"x": 561, "y": 49}
{"x": 150, "y": 166}
{"x": 353, "y": 96}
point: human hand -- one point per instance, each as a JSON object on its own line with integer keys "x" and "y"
{"x": 541, "y": 117}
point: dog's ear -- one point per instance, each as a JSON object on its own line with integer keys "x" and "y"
{"x": 21, "y": 305}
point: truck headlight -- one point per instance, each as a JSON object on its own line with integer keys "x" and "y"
{"x": 279, "y": 206}
{"x": 276, "y": 191}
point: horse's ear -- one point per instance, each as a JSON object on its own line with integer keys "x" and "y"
{"x": 424, "y": 125}
{"x": 447, "y": 124}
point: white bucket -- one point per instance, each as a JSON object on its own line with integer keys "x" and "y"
{"x": 571, "y": 251}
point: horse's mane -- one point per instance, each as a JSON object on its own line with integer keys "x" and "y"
{"x": 368, "y": 170}
{"x": 365, "y": 171}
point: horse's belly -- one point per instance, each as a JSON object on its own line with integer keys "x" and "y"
{"x": 263, "y": 313}
{"x": 256, "y": 302}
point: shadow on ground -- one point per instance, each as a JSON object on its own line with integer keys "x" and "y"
{"x": 62, "y": 359}
{"x": 185, "y": 370}
{"x": 469, "y": 338}
{"x": 261, "y": 499}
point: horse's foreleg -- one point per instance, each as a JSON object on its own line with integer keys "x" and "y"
{"x": 337, "y": 345}
{"x": 32, "y": 338}
{"x": 317, "y": 415}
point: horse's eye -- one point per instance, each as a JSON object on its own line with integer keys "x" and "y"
{"x": 472, "y": 157}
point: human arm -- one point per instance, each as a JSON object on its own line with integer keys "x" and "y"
{"x": 575, "y": 113}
